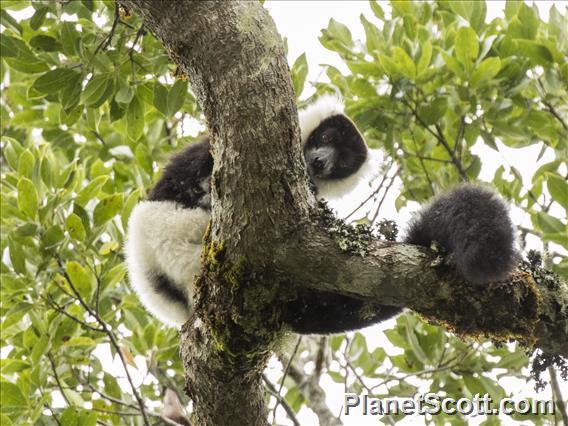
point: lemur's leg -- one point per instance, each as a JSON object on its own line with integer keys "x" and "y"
{"x": 163, "y": 254}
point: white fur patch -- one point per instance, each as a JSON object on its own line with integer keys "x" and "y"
{"x": 165, "y": 238}
{"x": 311, "y": 117}
{"x": 333, "y": 189}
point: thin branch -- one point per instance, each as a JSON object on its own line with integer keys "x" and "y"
{"x": 439, "y": 135}
{"x": 555, "y": 113}
{"x": 424, "y": 157}
{"x": 557, "y": 395}
{"x": 108, "y": 38}
{"x": 373, "y": 193}
{"x": 430, "y": 184}
{"x": 286, "y": 370}
{"x": 280, "y": 401}
{"x": 389, "y": 186}
{"x": 139, "y": 34}
{"x": 57, "y": 380}
{"x": 61, "y": 310}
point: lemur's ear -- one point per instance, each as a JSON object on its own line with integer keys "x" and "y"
{"x": 312, "y": 116}
{"x": 341, "y": 126}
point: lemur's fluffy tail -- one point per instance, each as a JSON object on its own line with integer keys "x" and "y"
{"x": 473, "y": 223}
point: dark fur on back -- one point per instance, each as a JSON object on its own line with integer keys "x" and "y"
{"x": 473, "y": 223}
{"x": 185, "y": 177}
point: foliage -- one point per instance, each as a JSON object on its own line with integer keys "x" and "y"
{"x": 87, "y": 113}
{"x": 91, "y": 106}
{"x": 434, "y": 78}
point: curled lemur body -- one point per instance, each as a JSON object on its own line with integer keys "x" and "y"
{"x": 165, "y": 232}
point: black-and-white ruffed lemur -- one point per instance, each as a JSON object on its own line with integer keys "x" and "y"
{"x": 165, "y": 232}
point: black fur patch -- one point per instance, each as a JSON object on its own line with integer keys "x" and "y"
{"x": 473, "y": 223}
{"x": 341, "y": 134}
{"x": 326, "y": 313}
{"x": 184, "y": 175}
{"x": 164, "y": 286}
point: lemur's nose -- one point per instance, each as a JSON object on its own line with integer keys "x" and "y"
{"x": 317, "y": 164}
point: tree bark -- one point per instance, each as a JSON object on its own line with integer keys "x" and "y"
{"x": 267, "y": 234}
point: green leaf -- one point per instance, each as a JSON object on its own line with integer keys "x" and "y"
{"x": 107, "y": 208}
{"x": 90, "y": 191}
{"x": 425, "y": 57}
{"x": 75, "y": 227}
{"x": 40, "y": 347}
{"x": 54, "y": 80}
{"x": 9, "y": 22}
{"x": 340, "y": 32}
{"x": 53, "y": 236}
{"x": 432, "y": 113}
{"x": 71, "y": 92}
{"x": 467, "y": 46}
{"x": 69, "y": 38}
{"x": 176, "y": 96}
{"x": 97, "y": 90}
{"x": 17, "y": 256}
{"x": 558, "y": 188}
{"x": 81, "y": 278}
{"x": 377, "y": 10}
{"x": 473, "y": 11}
{"x": 486, "y": 70}
{"x": 27, "y": 197}
{"x": 144, "y": 158}
{"x": 299, "y": 73}
{"x": 26, "y": 164}
{"x": 38, "y": 18}
{"x": 549, "y": 224}
{"x": 80, "y": 341}
{"x": 453, "y": 64}
{"x": 160, "y": 98}
{"x": 135, "y": 118}
{"x": 404, "y": 63}
{"x": 11, "y": 396}
{"x": 45, "y": 43}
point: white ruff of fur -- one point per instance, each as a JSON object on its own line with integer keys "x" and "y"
{"x": 333, "y": 189}
{"x": 165, "y": 238}
{"x": 312, "y": 116}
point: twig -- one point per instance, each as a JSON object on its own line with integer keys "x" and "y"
{"x": 61, "y": 310}
{"x": 439, "y": 135}
{"x": 108, "y": 38}
{"x": 557, "y": 395}
{"x": 98, "y": 136}
{"x": 139, "y": 34}
{"x": 430, "y": 184}
{"x": 392, "y": 179}
{"x": 373, "y": 193}
{"x": 286, "y": 370}
{"x": 56, "y": 376}
{"x": 280, "y": 400}
{"x": 320, "y": 357}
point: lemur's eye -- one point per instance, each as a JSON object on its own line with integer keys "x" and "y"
{"x": 325, "y": 139}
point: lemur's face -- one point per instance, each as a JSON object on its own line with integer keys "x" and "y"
{"x": 335, "y": 149}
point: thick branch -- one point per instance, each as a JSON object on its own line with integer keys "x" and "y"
{"x": 414, "y": 277}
